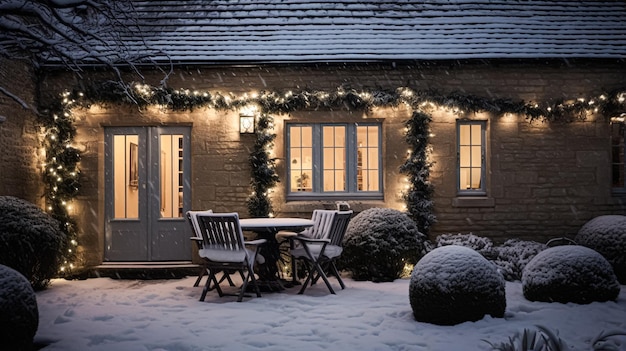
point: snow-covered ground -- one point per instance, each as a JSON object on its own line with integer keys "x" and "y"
{"x": 135, "y": 315}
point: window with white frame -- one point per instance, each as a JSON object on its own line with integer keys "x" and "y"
{"x": 471, "y": 157}
{"x": 618, "y": 147}
{"x": 334, "y": 160}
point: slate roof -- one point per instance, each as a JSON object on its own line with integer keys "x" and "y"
{"x": 356, "y": 30}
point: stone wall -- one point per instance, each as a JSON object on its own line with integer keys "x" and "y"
{"x": 20, "y": 158}
{"x": 545, "y": 179}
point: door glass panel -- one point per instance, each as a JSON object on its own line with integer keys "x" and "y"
{"x": 171, "y": 173}
{"x": 126, "y": 176}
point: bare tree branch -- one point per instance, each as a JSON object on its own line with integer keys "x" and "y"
{"x": 15, "y": 98}
{"x": 71, "y": 33}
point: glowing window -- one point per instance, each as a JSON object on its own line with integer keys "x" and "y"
{"x": 471, "y": 157}
{"x": 334, "y": 160}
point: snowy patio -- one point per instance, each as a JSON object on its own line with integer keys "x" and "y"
{"x": 157, "y": 315}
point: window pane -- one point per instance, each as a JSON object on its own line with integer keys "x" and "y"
{"x": 476, "y": 128}
{"x": 465, "y": 156}
{"x": 464, "y": 135}
{"x": 301, "y": 155}
{"x": 372, "y": 136}
{"x": 475, "y": 182}
{"x": 476, "y": 158}
{"x": 339, "y": 161}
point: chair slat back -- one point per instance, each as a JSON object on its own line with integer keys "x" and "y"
{"x": 192, "y": 218}
{"x": 322, "y": 221}
{"x": 221, "y": 231}
{"x": 338, "y": 227}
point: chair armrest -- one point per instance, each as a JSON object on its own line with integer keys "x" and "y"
{"x": 199, "y": 242}
{"x": 309, "y": 240}
{"x": 255, "y": 242}
{"x": 285, "y": 233}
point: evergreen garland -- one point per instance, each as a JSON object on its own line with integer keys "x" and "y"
{"x": 62, "y": 176}
{"x": 262, "y": 169}
{"x": 418, "y": 197}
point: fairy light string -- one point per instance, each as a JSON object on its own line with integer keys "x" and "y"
{"x": 62, "y": 175}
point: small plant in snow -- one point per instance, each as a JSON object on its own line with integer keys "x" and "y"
{"x": 542, "y": 339}
{"x": 482, "y": 245}
{"x": 512, "y": 256}
{"x": 608, "y": 341}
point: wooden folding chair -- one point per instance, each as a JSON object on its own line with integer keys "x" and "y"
{"x": 224, "y": 249}
{"x": 319, "y": 254}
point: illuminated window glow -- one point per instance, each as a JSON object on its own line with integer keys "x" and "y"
{"x": 333, "y": 159}
{"x": 471, "y": 157}
{"x": 618, "y": 147}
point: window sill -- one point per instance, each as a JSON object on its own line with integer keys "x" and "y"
{"x": 470, "y": 201}
{"x": 310, "y": 196}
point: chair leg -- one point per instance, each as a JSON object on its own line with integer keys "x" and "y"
{"x": 315, "y": 272}
{"x": 249, "y": 277}
{"x": 335, "y": 272}
{"x": 254, "y": 282}
{"x": 200, "y": 275}
{"x": 308, "y": 278}
{"x": 207, "y": 286}
{"x": 321, "y": 273}
{"x": 226, "y": 276}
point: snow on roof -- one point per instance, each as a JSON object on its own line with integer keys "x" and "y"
{"x": 355, "y": 30}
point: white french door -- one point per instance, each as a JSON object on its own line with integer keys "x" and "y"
{"x": 147, "y": 186}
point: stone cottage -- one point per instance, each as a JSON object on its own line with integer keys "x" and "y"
{"x": 525, "y": 127}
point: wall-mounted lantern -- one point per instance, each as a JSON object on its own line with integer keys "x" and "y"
{"x": 246, "y": 123}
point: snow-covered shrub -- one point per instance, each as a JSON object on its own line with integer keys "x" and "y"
{"x": 607, "y": 235}
{"x": 454, "y": 284}
{"x": 512, "y": 256}
{"x": 19, "y": 316}
{"x": 569, "y": 273}
{"x": 482, "y": 245}
{"x": 31, "y": 241}
{"x": 379, "y": 242}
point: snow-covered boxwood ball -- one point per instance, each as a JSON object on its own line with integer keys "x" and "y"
{"x": 607, "y": 235}
{"x": 569, "y": 273}
{"x": 19, "y": 316}
{"x": 31, "y": 241}
{"x": 454, "y": 284}
{"x": 379, "y": 242}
